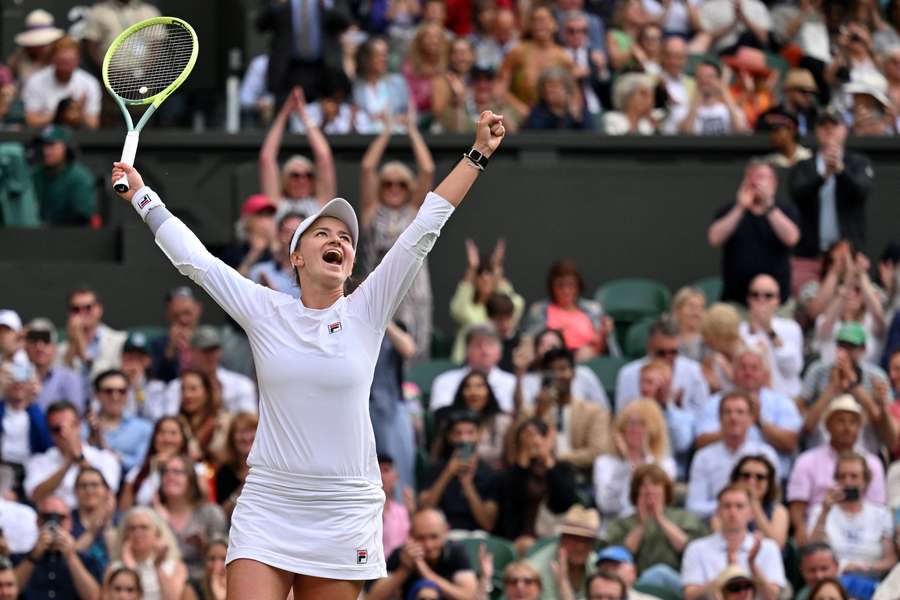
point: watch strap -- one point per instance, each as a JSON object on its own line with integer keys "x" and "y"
{"x": 477, "y": 158}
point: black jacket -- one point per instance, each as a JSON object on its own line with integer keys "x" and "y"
{"x": 851, "y": 190}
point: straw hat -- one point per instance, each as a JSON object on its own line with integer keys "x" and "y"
{"x": 580, "y": 521}
{"x": 39, "y": 30}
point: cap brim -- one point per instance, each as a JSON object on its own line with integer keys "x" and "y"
{"x": 337, "y": 208}
{"x": 39, "y": 37}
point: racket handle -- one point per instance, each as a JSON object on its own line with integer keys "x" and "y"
{"x": 129, "y": 150}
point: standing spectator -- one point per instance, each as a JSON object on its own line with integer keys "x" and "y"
{"x": 830, "y": 192}
{"x": 23, "y": 428}
{"x": 35, "y": 45}
{"x": 680, "y": 87}
{"x": 92, "y": 346}
{"x": 53, "y": 472}
{"x": 64, "y": 187}
{"x": 578, "y": 534}
{"x": 813, "y": 473}
{"x": 426, "y": 60}
{"x": 756, "y": 234}
{"x": 633, "y": 103}
{"x": 172, "y": 352}
{"x": 687, "y": 313}
{"x": 712, "y": 110}
{"x": 145, "y": 544}
{"x": 799, "y": 100}
{"x": 109, "y": 18}
{"x": 61, "y": 79}
{"x": 591, "y": 70}
{"x": 753, "y": 84}
{"x": 770, "y": 517}
{"x": 733, "y": 544}
{"x": 377, "y": 92}
{"x": 146, "y": 396}
{"x": 622, "y": 41}
{"x": 300, "y": 185}
{"x": 278, "y": 273}
{"x": 170, "y": 438}
{"x": 558, "y": 105}
{"x": 817, "y": 562}
{"x": 482, "y": 354}
{"x": 781, "y": 127}
{"x": 126, "y": 436}
{"x": 56, "y": 382}
{"x": 232, "y": 473}
{"x": 305, "y": 40}
{"x": 255, "y": 234}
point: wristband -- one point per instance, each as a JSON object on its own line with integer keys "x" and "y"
{"x": 144, "y": 200}
{"x": 476, "y": 158}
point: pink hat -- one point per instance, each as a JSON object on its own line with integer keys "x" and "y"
{"x": 257, "y": 203}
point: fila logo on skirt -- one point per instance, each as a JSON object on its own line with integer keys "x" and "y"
{"x": 362, "y": 556}
{"x": 334, "y": 327}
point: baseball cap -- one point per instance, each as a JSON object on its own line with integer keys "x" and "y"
{"x": 206, "y": 338}
{"x": 619, "y": 554}
{"x": 42, "y": 325}
{"x": 844, "y": 402}
{"x": 852, "y": 333}
{"x": 873, "y": 84}
{"x": 137, "y": 342}
{"x": 830, "y": 114}
{"x": 258, "y": 203}
{"x": 56, "y": 133}
{"x": 10, "y": 318}
{"x": 338, "y": 208}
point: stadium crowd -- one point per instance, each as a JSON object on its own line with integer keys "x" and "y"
{"x": 736, "y": 440}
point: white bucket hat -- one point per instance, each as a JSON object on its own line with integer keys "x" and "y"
{"x": 338, "y": 208}
{"x": 39, "y": 30}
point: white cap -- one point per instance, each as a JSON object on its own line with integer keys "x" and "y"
{"x": 11, "y": 319}
{"x": 871, "y": 84}
{"x": 338, "y": 208}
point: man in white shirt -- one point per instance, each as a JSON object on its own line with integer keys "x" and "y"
{"x": 483, "y": 351}
{"x": 53, "y": 473}
{"x": 781, "y": 338}
{"x": 679, "y": 86}
{"x": 11, "y": 339}
{"x": 237, "y": 391}
{"x": 688, "y": 383}
{"x": 62, "y": 79}
{"x": 18, "y": 523}
{"x": 704, "y": 559}
{"x": 712, "y": 465}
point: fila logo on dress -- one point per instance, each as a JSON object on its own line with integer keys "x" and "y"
{"x": 334, "y": 327}
{"x": 362, "y": 556}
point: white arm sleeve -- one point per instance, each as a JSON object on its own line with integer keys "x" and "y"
{"x": 383, "y": 290}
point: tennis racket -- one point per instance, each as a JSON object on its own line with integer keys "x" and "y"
{"x": 144, "y": 65}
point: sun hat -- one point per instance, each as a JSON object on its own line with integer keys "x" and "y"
{"x": 39, "y": 30}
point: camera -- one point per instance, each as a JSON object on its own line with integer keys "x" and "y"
{"x": 465, "y": 450}
{"x": 851, "y": 493}
{"x": 855, "y": 37}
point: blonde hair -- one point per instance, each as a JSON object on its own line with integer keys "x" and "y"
{"x": 416, "y": 60}
{"x": 684, "y": 294}
{"x": 522, "y": 565}
{"x": 656, "y": 365}
{"x": 626, "y": 85}
{"x": 297, "y": 159}
{"x": 162, "y": 529}
{"x": 648, "y": 411}
{"x": 401, "y": 171}
{"x": 721, "y": 322}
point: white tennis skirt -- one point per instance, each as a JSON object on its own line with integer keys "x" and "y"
{"x": 321, "y": 526}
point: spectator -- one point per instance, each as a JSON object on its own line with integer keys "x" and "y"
{"x": 377, "y": 92}
{"x": 56, "y": 382}
{"x": 781, "y": 127}
{"x": 678, "y": 20}
{"x": 214, "y": 584}
{"x": 734, "y": 583}
{"x": 799, "y": 100}
{"x": 870, "y": 107}
{"x": 62, "y": 78}
{"x": 483, "y": 277}
{"x": 582, "y": 427}
{"x": 430, "y": 555}
{"x": 639, "y": 438}
{"x": 305, "y": 40}
{"x": 278, "y": 272}
{"x": 232, "y": 473}
{"x": 577, "y": 538}
{"x": 482, "y": 354}
{"x": 20, "y": 527}
{"x": 450, "y": 89}
{"x": 146, "y": 545}
{"x": 726, "y": 26}
{"x": 656, "y": 384}
{"x": 591, "y": 70}
{"x": 817, "y": 562}
{"x": 396, "y": 513}
{"x": 687, "y": 313}
{"x": 849, "y": 374}
{"x": 621, "y": 41}
{"x": 829, "y": 589}
{"x": 92, "y": 346}
{"x": 585, "y": 327}
{"x": 770, "y": 517}
{"x": 107, "y": 19}
{"x": 9, "y": 585}
{"x": 146, "y": 397}
{"x": 126, "y": 436}
{"x": 617, "y": 562}
{"x": 64, "y": 186}
{"x": 300, "y": 185}
{"x": 481, "y": 95}
{"x": 201, "y": 409}
{"x": 813, "y": 473}
{"x": 656, "y": 533}
{"x": 535, "y": 483}
{"x": 521, "y": 581}
{"x": 236, "y": 392}
{"x": 390, "y": 199}
{"x": 334, "y": 112}
{"x": 753, "y": 84}
{"x": 688, "y": 383}
{"x": 426, "y": 60}
{"x": 830, "y": 192}
{"x": 54, "y": 568}
{"x": 528, "y": 59}
{"x": 733, "y": 544}
{"x": 474, "y": 394}
{"x": 713, "y": 463}
{"x": 172, "y": 352}
{"x": 649, "y": 42}
{"x": 776, "y": 420}
{"x": 891, "y": 68}
{"x": 719, "y": 328}
{"x": 122, "y": 583}
{"x": 35, "y": 45}
{"x": 563, "y": 10}
{"x": 679, "y": 86}
{"x": 603, "y": 584}
{"x": 94, "y": 514}
{"x": 10, "y": 106}
{"x": 53, "y": 472}
{"x": 501, "y": 314}
{"x": 170, "y": 438}
{"x": 854, "y": 56}
{"x": 503, "y": 36}
{"x": 11, "y": 338}
{"x": 558, "y": 105}
{"x": 23, "y": 428}
{"x": 256, "y": 231}
{"x": 194, "y": 520}
{"x": 756, "y": 234}
{"x": 712, "y": 110}
{"x": 633, "y": 103}
{"x": 461, "y": 483}
{"x": 815, "y": 295}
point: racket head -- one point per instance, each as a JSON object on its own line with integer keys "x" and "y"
{"x": 149, "y": 60}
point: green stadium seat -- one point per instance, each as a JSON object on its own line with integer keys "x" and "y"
{"x": 502, "y": 550}
{"x": 607, "y": 368}
{"x": 423, "y": 375}
{"x": 629, "y": 300}
{"x": 711, "y": 287}
{"x": 637, "y": 336}
{"x": 151, "y": 331}
{"x": 441, "y": 344}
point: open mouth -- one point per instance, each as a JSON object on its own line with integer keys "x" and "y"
{"x": 333, "y": 256}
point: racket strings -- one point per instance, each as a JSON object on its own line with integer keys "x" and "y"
{"x": 149, "y": 60}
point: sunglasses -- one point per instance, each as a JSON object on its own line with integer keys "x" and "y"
{"x": 81, "y": 308}
{"x": 300, "y": 175}
{"x": 113, "y": 390}
{"x": 746, "y": 475}
{"x": 754, "y": 295}
{"x": 848, "y": 346}
{"x": 387, "y": 183}
{"x": 522, "y": 580}
{"x": 38, "y": 336}
{"x": 576, "y": 29}
{"x": 738, "y": 586}
{"x": 665, "y": 352}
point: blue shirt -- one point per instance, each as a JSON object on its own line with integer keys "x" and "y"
{"x": 130, "y": 441}
{"x": 61, "y": 384}
{"x": 51, "y": 579}
{"x": 269, "y": 274}
{"x": 829, "y": 231}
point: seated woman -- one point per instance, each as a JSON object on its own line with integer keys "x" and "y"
{"x": 201, "y": 409}
{"x": 656, "y": 534}
{"x": 94, "y": 515}
{"x": 233, "y": 471}
{"x": 586, "y": 385}
{"x": 145, "y": 544}
{"x": 720, "y": 329}
{"x": 770, "y": 517}
{"x": 475, "y": 394}
{"x": 587, "y": 331}
{"x": 212, "y": 586}
{"x": 376, "y": 91}
{"x": 633, "y": 102}
{"x": 639, "y": 437}
{"x": 536, "y": 489}
{"x": 559, "y": 103}
{"x": 122, "y": 583}
{"x": 687, "y": 312}
{"x": 170, "y": 438}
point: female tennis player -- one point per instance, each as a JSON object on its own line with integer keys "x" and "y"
{"x": 309, "y": 516}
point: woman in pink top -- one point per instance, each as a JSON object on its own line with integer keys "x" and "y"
{"x": 426, "y": 60}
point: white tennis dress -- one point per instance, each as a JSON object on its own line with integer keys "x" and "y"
{"x": 312, "y": 503}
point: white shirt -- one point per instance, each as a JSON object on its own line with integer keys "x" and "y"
{"x": 253, "y": 85}
{"x": 41, "y": 466}
{"x": 677, "y": 18}
{"x": 43, "y": 92}
{"x": 19, "y": 525}
{"x": 826, "y": 346}
{"x": 856, "y": 538}
{"x": 150, "y": 485}
{"x": 348, "y": 120}
{"x": 713, "y": 119}
{"x": 586, "y": 385}
{"x": 711, "y": 470}
{"x": 786, "y": 361}
{"x": 16, "y": 447}
{"x": 706, "y": 557}
{"x": 443, "y": 390}
{"x": 686, "y": 376}
{"x": 238, "y": 392}
{"x": 612, "y": 483}
{"x": 155, "y": 404}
